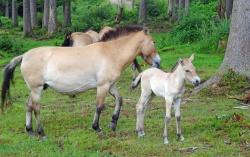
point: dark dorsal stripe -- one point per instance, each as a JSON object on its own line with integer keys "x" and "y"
{"x": 120, "y": 31}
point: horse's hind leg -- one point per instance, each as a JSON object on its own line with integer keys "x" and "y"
{"x": 29, "y": 110}
{"x": 35, "y": 97}
{"x": 101, "y": 94}
{"x": 178, "y": 119}
{"x": 141, "y": 106}
{"x": 118, "y": 103}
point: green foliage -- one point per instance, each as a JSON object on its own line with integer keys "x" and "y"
{"x": 9, "y": 45}
{"x": 201, "y": 25}
{"x": 5, "y": 22}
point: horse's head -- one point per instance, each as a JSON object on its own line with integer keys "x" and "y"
{"x": 189, "y": 70}
{"x": 148, "y": 50}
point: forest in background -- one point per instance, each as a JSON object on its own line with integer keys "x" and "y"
{"x": 213, "y": 124}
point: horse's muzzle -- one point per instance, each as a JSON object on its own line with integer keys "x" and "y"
{"x": 156, "y": 61}
{"x": 196, "y": 81}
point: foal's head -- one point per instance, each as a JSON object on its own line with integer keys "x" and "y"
{"x": 148, "y": 50}
{"x": 189, "y": 70}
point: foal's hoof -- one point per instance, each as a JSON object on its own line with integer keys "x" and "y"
{"x": 112, "y": 126}
{"x": 180, "y": 138}
{"x": 165, "y": 141}
{"x": 141, "y": 134}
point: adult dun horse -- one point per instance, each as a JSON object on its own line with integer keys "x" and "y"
{"x": 81, "y": 39}
{"x": 75, "y": 70}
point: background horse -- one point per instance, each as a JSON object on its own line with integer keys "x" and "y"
{"x": 167, "y": 85}
{"x": 74, "y": 70}
{"x": 80, "y": 39}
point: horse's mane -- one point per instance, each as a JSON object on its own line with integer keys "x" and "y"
{"x": 67, "y": 40}
{"x": 121, "y": 31}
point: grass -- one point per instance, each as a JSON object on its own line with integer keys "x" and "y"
{"x": 209, "y": 121}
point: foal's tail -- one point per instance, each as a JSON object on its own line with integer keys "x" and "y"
{"x": 8, "y": 77}
{"x": 136, "y": 81}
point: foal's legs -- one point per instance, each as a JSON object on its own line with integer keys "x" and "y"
{"x": 140, "y": 110}
{"x": 118, "y": 103}
{"x": 101, "y": 94}
{"x": 178, "y": 118}
{"x": 167, "y": 118}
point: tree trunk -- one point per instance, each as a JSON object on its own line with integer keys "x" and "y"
{"x": 175, "y": 10}
{"x": 229, "y": 7}
{"x": 52, "y": 17}
{"x": 33, "y": 13}
{"x": 119, "y": 15}
{"x": 67, "y": 12}
{"x": 26, "y": 18}
{"x": 186, "y": 7}
{"x": 170, "y": 8}
{"x": 46, "y": 14}
{"x": 237, "y": 56}
{"x": 7, "y": 7}
{"x": 142, "y": 11}
{"x": 14, "y": 13}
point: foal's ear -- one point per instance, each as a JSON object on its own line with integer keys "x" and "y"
{"x": 146, "y": 30}
{"x": 191, "y": 58}
{"x": 181, "y": 61}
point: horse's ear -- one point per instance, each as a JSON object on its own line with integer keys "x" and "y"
{"x": 191, "y": 58}
{"x": 181, "y": 61}
{"x": 145, "y": 30}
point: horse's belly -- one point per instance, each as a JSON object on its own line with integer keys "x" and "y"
{"x": 71, "y": 83}
{"x": 71, "y": 88}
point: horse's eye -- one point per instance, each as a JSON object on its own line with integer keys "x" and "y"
{"x": 187, "y": 71}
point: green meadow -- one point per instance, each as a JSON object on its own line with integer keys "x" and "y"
{"x": 211, "y": 126}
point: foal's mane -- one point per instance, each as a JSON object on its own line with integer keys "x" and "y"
{"x": 121, "y": 31}
{"x": 175, "y": 66}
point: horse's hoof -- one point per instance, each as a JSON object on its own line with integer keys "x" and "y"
{"x": 112, "y": 126}
{"x": 43, "y": 138}
{"x": 96, "y": 128}
{"x": 31, "y": 134}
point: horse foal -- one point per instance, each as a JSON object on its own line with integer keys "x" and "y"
{"x": 167, "y": 85}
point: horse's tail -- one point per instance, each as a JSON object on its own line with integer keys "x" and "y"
{"x": 8, "y": 77}
{"x": 136, "y": 81}
{"x": 67, "y": 40}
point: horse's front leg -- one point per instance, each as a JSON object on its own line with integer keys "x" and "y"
{"x": 135, "y": 66}
{"x": 118, "y": 103}
{"x": 177, "y": 104}
{"x": 167, "y": 118}
{"x": 101, "y": 94}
